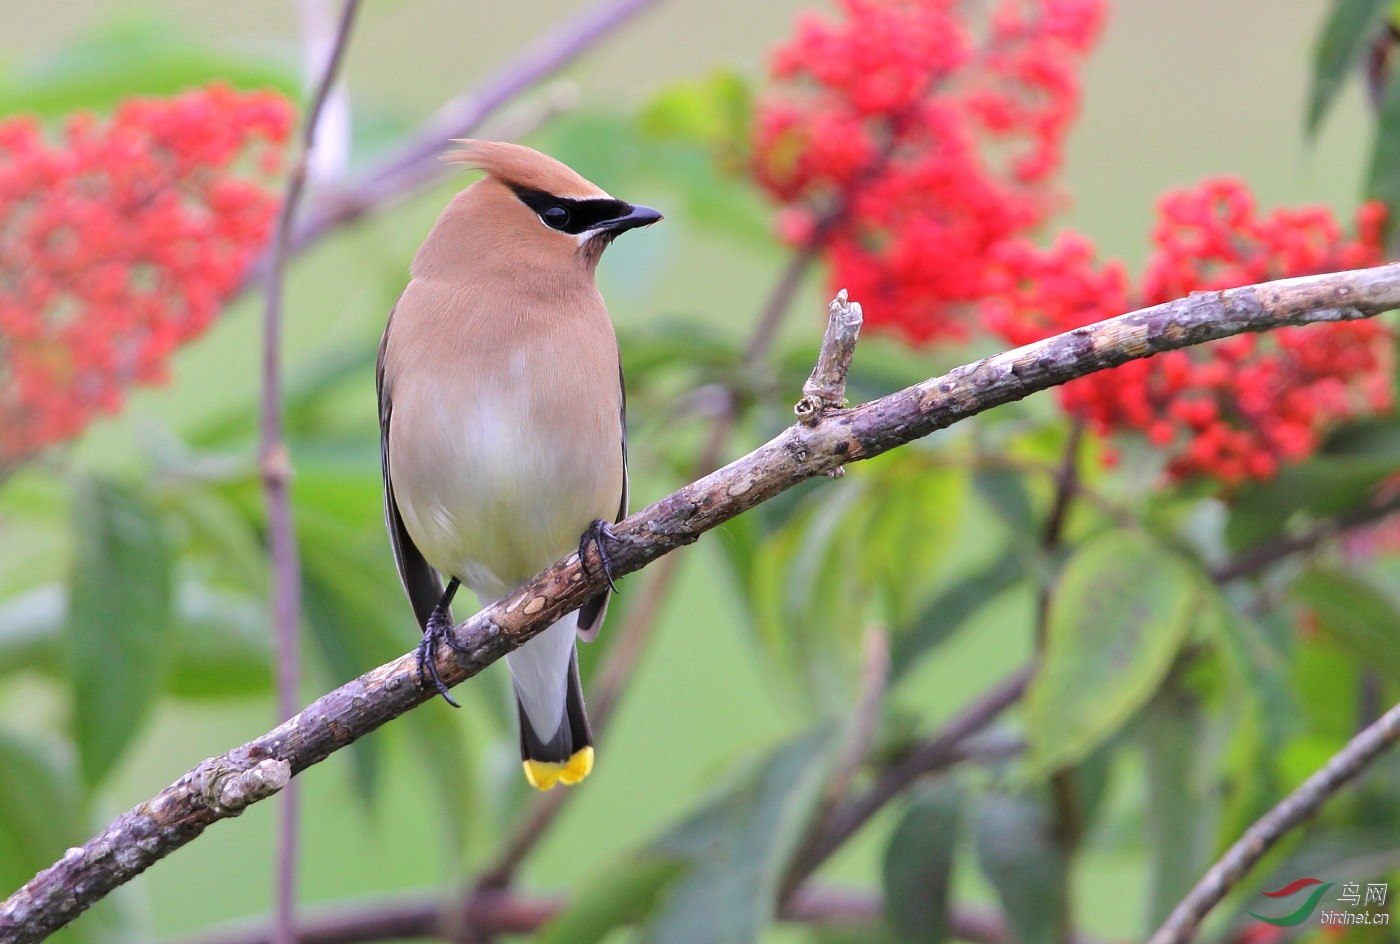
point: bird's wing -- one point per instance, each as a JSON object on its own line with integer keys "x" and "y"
{"x": 420, "y": 581}
{"x": 590, "y": 615}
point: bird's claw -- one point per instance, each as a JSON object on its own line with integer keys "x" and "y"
{"x": 596, "y": 534}
{"x": 439, "y": 629}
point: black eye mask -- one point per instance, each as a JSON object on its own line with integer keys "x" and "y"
{"x": 569, "y": 215}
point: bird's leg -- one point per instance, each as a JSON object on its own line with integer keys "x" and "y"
{"x": 439, "y": 629}
{"x": 598, "y": 534}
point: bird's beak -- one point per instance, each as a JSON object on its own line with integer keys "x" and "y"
{"x": 637, "y": 216}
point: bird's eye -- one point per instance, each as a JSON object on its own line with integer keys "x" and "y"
{"x": 556, "y": 216}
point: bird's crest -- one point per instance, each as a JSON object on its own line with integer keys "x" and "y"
{"x": 518, "y": 166}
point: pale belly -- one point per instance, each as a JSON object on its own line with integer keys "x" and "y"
{"x": 494, "y": 489}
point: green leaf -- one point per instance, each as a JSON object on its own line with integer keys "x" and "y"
{"x": 1363, "y": 618}
{"x": 807, "y": 594}
{"x": 39, "y": 811}
{"x": 136, "y": 55}
{"x": 918, "y": 864}
{"x": 1005, "y": 491}
{"x": 1183, "y": 803}
{"x": 217, "y": 535}
{"x": 715, "y": 111}
{"x": 1383, "y": 175}
{"x": 868, "y": 548}
{"x": 1262, "y": 706}
{"x": 1021, "y": 860}
{"x": 615, "y": 148}
{"x": 344, "y": 603}
{"x": 221, "y": 644}
{"x": 31, "y": 630}
{"x": 1122, "y": 608}
{"x": 1258, "y": 661}
{"x": 1325, "y": 485}
{"x": 952, "y": 608}
{"x": 119, "y": 620}
{"x": 613, "y": 898}
{"x": 659, "y": 346}
{"x": 359, "y": 618}
{"x": 1341, "y": 46}
{"x": 914, "y": 509}
{"x": 738, "y": 848}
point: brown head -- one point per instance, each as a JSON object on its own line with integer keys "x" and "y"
{"x": 530, "y": 213}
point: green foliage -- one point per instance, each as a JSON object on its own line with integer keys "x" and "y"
{"x": 1383, "y": 175}
{"x": 40, "y": 815}
{"x": 1346, "y": 46}
{"x": 947, "y": 611}
{"x": 1322, "y": 486}
{"x": 737, "y": 848}
{"x": 1025, "y": 863}
{"x": 1175, "y": 709}
{"x": 119, "y": 619}
{"x": 714, "y": 877}
{"x": 1182, "y": 806}
{"x": 132, "y": 55}
{"x": 868, "y": 550}
{"x": 715, "y": 111}
{"x": 918, "y": 864}
{"x": 1351, "y": 27}
{"x": 1122, "y": 609}
{"x": 1363, "y": 619}
{"x": 617, "y": 897}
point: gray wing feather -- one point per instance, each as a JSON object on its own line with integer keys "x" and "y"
{"x": 590, "y": 615}
{"x": 420, "y": 580}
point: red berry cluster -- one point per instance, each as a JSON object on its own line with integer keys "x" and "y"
{"x": 119, "y": 244}
{"x": 909, "y": 141}
{"x": 1236, "y": 409}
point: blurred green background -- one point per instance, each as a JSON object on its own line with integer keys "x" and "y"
{"x": 1174, "y": 92}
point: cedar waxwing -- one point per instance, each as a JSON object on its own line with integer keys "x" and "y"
{"x": 502, "y": 415}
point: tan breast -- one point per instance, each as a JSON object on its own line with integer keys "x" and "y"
{"x": 506, "y": 435}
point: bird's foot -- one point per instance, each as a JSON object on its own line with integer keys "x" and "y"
{"x": 599, "y": 533}
{"x": 439, "y": 629}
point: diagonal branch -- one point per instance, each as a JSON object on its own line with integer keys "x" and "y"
{"x": 936, "y": 754}
{"x": 1259, "y": 558}
{"x": 223, "y": 786}
{"x": 415, "y": 165}
{"x": 1293, "y": 810}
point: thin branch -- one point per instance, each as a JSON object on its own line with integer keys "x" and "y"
{"x": 415, "y": 165}
{"x": 860, "y": 733}
{"x": 825, "y": 389}
{"x": 1066, "y": 827}
{"x": 511, "y": 913}
{"x": 1263, "y": 556}
{"x": 779, "y": 302}
{"x": 277, "y": 470}
{"x": 138, "y": 838}
{"x": 931, "y": 756}
{"x": 1292, "y": 810}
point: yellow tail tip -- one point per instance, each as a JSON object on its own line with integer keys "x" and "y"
{"x": 544, "y": 774}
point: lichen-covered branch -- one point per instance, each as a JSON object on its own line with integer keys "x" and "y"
{"x": 825, "y": 389}
{"x": 140, "y": 837}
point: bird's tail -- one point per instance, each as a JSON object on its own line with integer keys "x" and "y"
{"x": 556, "y": 742}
